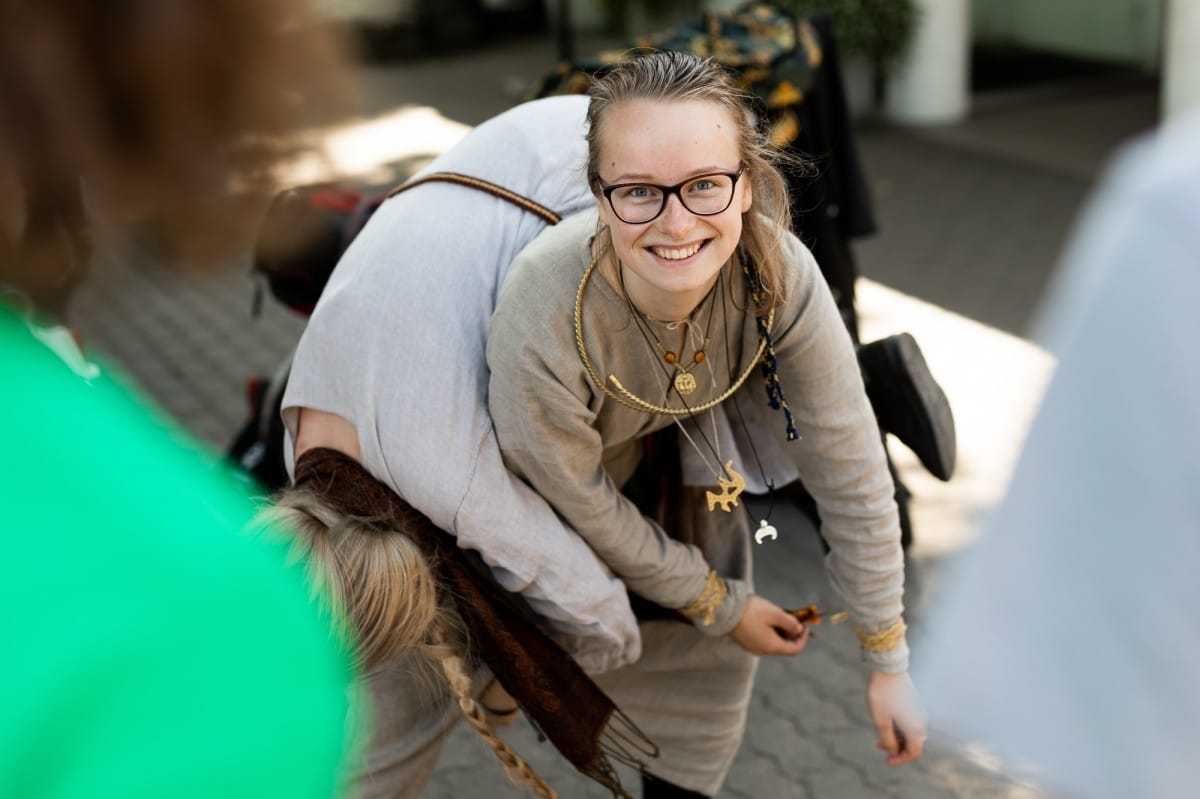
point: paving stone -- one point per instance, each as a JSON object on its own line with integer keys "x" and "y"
{"x": 777, "y": 741}
{"x": 844, "y": 783}
{"x": 756, "y": 784}
{"x": 999, "y": 230}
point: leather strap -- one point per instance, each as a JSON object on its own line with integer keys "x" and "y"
{"x": 522, "y": 202}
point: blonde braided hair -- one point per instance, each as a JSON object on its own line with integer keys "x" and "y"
{"x": 461, "y": 684}
{"x": 385, "y": 599}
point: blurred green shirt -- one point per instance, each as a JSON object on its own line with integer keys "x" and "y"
{"x": 148, "y": 646}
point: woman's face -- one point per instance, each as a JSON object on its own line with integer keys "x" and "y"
{"x": 671, "y": 262}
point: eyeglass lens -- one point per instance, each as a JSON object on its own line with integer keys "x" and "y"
{"x": 643, "y": 202}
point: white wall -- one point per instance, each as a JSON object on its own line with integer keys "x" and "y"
{"x": 1122, "y": 31}
{"x": 1181, "y": 60}
{"x": 930, "y": 85}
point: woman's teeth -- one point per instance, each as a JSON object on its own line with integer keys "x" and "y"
{"x": 676, "y": 254}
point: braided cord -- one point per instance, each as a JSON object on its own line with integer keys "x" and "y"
{"x": 704, "y": 607}
{"x": 627, "y": 397}
{"x": 770, "y": 364}
{"x": 884, "y": 640}
{"x": 496, "y": 190}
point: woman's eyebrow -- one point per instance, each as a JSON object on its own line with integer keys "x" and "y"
{"x": 640, "y": 177}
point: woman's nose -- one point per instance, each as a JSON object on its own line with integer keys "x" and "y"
{"x": 675, "y": 219}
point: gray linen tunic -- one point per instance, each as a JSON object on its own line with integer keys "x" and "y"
{"x": 576, "y": 446}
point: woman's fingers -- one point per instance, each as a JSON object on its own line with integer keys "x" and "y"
{"x": 898, "y": 716}
{"x": 767, "y": 629}
{"x": 499, "y": 706}
{"x": 791, "y": 644}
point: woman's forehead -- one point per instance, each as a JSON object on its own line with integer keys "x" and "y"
{"x": 666, "y": 140}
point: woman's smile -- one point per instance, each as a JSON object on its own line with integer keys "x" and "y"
{"x": 678, "y": 252}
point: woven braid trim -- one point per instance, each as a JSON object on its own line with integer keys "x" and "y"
{"x": 522, "y": 202}
{"x": 704, "y": 607}
{"x": 884, "y": 640}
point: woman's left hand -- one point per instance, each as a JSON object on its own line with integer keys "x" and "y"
{"x": 898, "y": 716}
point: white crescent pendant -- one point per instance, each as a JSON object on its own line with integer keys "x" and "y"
{"x": 764, "y": 532}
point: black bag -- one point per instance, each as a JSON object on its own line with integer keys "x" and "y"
{"x": 303, "y": 234}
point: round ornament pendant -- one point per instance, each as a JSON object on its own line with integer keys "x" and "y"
{"x": 684, "y": 383}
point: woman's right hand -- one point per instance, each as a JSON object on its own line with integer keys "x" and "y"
{"x": 767, "y": 629}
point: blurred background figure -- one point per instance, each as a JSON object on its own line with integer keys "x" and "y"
{"x": 151, "y": 648}
{"x": 1068, "y": 636}
{"x": 174, "y": 114}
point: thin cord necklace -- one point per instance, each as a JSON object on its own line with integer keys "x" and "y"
{"x": 732, "y": 488}
{"x": 628, "y": 398}
{"x": 685, "y": 381}
{"x": 732, "y": 483}
{"x": 765, "y": 530}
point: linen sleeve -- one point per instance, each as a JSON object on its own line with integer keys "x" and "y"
{"x": 530, "y": 551}
{"x": 840, "y": 454}
{"x": 538, "y": 400}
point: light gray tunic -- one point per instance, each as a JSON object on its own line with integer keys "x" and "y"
{"x": 396, "y": 346}
{"x": 576, "y": 446}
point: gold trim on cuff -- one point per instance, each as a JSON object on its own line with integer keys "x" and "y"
{"x": 884, "y": 640}
{"x": 704, "y": 607}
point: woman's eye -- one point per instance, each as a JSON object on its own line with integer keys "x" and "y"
{"x": 640, "y": 193}
{"x": 704, "y": 184}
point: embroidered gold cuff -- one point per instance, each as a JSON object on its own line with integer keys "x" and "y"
{"x": 884, "y": 640}
{"x": 704, "y": 607}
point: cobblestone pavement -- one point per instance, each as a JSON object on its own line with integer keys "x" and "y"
{"x": 971, "y": 226}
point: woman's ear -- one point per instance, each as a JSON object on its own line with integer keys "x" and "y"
{"x": 747, "y": 192}
{"x": 604, "y": 210}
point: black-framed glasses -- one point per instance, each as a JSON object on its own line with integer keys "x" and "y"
{"x": 704, "y": 195}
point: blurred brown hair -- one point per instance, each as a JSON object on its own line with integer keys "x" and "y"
{"x": 171, "y": 112}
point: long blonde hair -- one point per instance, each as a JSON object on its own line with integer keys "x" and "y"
{"x": 386, "y": 601}
{"x": 678, "y": 77}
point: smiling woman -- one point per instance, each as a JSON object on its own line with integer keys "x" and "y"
{"x": 641, "y": 426}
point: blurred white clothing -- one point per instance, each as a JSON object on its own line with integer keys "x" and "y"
{"x": 1069, "y": 637}
{"x": 396, "y": 346}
